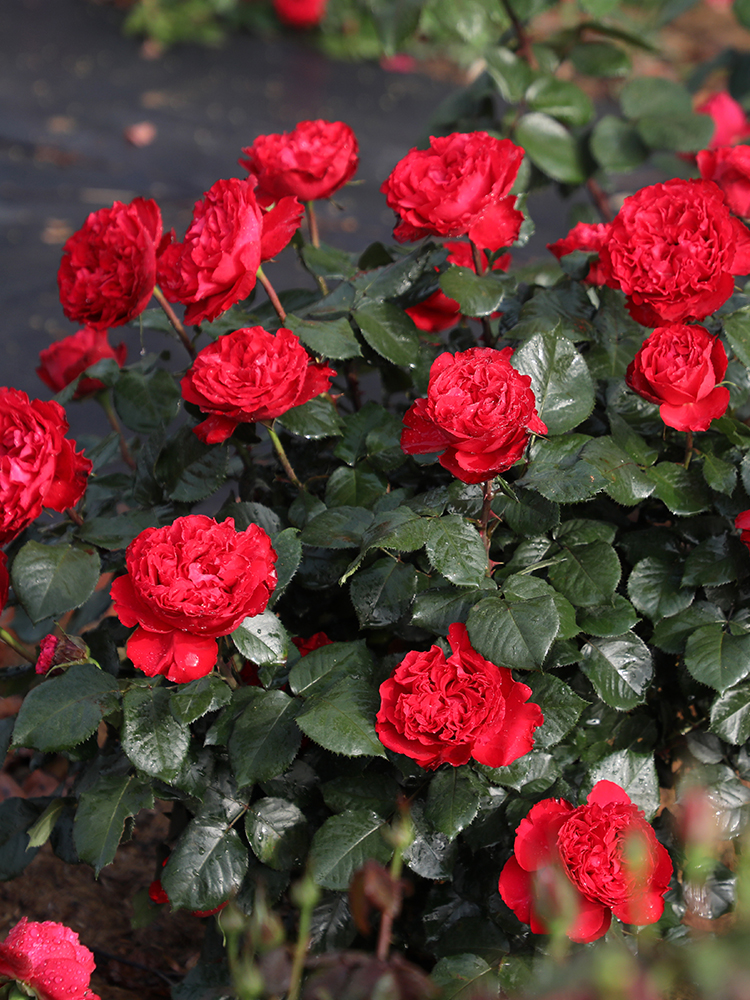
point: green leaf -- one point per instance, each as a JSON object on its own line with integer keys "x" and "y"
{"x": 565, "y": 309}
{"x": 17, "y": 817}
{"x": 600, "y": 59}
{"x": 560, "y": 380}
{"x": 608, "y": 619}
{"x": 456, "y": 550}
{"x": 737, "y": 331}
{"x": 394, "y": 280}
{"x": 510, "y": 73}
{"x": 341, "y": 718}
{"x": 379, "y": 793}
{"x": 63, "y": 711}
{"x": 360, "y": 486}
{"x": 389, "y": 331}
{"x": 557, "y": 472}
{"x": 356, "y": 440}
{"x": 560, "y": 99}
{"x": 635, "y": 773}
{"x": 477, "y": 295}
{"x": 626, "y": 483}
{"x": 616, "y": 144}
{"x": 436, "y": 610}
{"x": 671, "y": 634}
{"x": 620, "y": 668}
{"x": 586, "y": 574}
{"x": 453, "y": 800}
{"x": 531, "y": 515}
{"x": 716, "y": 560}
{"x": 560, "y": 706}
{"x": 617, "y": 338}
{"x": 190, "y": 470}
{"x": 730, "y": 715}
{"x": 655, "y": 588}
{"x": 262, "y": 639}
{"x": 319, "y": 668}
{"x": 119, "y": 531}
{"x": 533, "y": 773}
{"x": 719, "y": 475}
{"x": 51, "y": 579}
{"x": 716, "y": 657}
{"x": 343, "y": 844}
{"x": 465, "y": 977}
{"x": 102, "y": 813}
{"x": 315, "y": 419}
{"x": 650, "y": 95}
{"x": 333, "y": 338}
{"x": 328, "y": 262}
{"x": 278, "y": 833}
{"x": 151, "y": 736}
{"x": 383, "y": 593}
{"x": 682, "y": 132}
{"x": 551, "y": 147}
{"x": 338, "y": 528}
{"x": 265, "y": 737}
{"x": 40, "y": 832}
{"x": 400, "y": 529}
{"x": 207, "y": 865}
{"x": 189, "y": 702}
{"x": 288, "y": 550}
{"x": 515, "y": 634}
{"x": 146, "y": 402}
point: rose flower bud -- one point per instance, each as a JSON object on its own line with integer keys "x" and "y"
{"x": 251, "y": 375}
{"x": 479, "y": 412}
{"x": 300, "y": 13}
{"x": 582, "y": 866}
{"x": 440, "y": 710}
{"x": 63, "y": 361}
{"x": 108, "y": 268}
{"x": 48, "y": 960}
{"x": 187, "y": 584}
{"x": 674, "y": 249}
{"x": 312, "y": 161}
{"x": 679, "y": 368}
{"x": 39, "y": 466}
{"x": 459, "y": 186}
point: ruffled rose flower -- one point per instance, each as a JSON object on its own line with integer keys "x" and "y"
{"x": 438, "y": 311}
{"x": 251, "y": 375}
{"x": 300, "y": 13}
{"x": 312, "y": 161}
{"x": 479, "y": 412}
{"x": 679, "y": 368}
{"x": 108, "y": 268}
{"x": 729, "y": 118}
{"x": 39, "y": 466}
{"x": 590, "y": 239}
{"x": 585, "y": 865}
{"x": 63, "y": 361}
{"x": 187, "y": 584}
{"x": 48, "y": 959}
{"x": 316, "y": 641}
{"x": 729, "y": 167}
{"x": 440, "y": 710}
{"x": 674, "y": 249}
{"x": 459, "y": 186}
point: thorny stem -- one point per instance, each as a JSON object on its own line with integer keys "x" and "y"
{"x": 172, "y": 317}
{"x": 688, "y": 447}
{"x": 282, "y": 455}
{"x": 601, "y": 200}
{"x": 271, "y": 293}
{"x": 476, "y": 253}
{"x": 105, "y": 401}
{"x": 524, "y": 44}
{"x": 488, "y": 494}
{"x": 312, "y": 222}
{"x": 11, "y": 640}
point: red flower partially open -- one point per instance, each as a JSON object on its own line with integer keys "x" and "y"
{"x": 48, "y": 959}
{"x": 64, "y": 360}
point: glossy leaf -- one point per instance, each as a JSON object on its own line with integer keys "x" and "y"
{"x": 333, "y": 338}
{"x": 633, "y": 772}
{"x": 389, "y": 331}
{"x": 313, "y": 420}
{"x": 278, "y": 833}
{"x": 655, "y": 588}
{"x": 453, "y": 800}
{"x": 551, "y": 147}
{"x": 102, "y": 813}
{"x": 262, "y": 639}
{"x": 516, "y": 634}
{"x": 341, "y": 718}
{"x": 342, "y": 845}
{"x": 560, "y": 380}
{"x": 51, "y": 579}
{"x": 730, "y": 715}
{"x": 620, "y": 668}
{"x": 456, "y": 550}
{"x": 477, "y": 295}
{"x": 714, "y": 656}
{"x": 151, "y": 736}
{"x": 560, "y": 705}
{"x": 265, "y": 737}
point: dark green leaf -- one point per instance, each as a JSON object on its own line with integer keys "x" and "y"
{"x": 671, "y": 634}
{"x": 586, "y": 574}
{"x": 338, "y": 528}
{"x": 379, "y": 792}
{"x": 719, "y": 559}
{"x": 206, "y": 694}
{"x": 333, "y": 338}
{"x": 600, "y": 59}
{"x": 152, "y": 737}
{"x": 119, "y": 531}
{"x": 608, "y": 619}
{"x": 278, "y": 833}
{"x": 316, "y": 419}
{"x": 516, "y": 634}
{"x": 551, "y": 147}
{"x": 455, "y": 549}
{"x": 383, "y": 593}
{"x": 561, "y": 99}
{"x": 716, "y": 657}
{"x": 719, "y": 475}
{"x": 431, "y": 854}
{"x": 102, "y": 813}
{"x": 510, "y": 73}
{"x": 328, "y": 262}
{"x": 651, "y": 95}
{"x": 681, "y": 132}
{"x": 453, "y": 800}
{"x": 560, "y": 706}
{"x": 560, "y": 380}
{"x": 51, "y": 579}
{"x": 534, "y": 773}
{"x": 389, "y": 331}
{"x": 396, "y": 279}
{"x": 557, "y": 472}
{"x": 343, "y": 844}
{"x": 565, "y": 308}
{"x": 633, "y": 772}
{"x": 288, "y": 550}
{"x": 477, "y": 295}
{"x": 207, "y": 865}
{"x": 532, "y": 514}
{"x": 655, "y": 588}
{"x": 146, "y": 402}
{"x": 465, "y": 977}
{"x": 620, "y": 669}
{"x": 361, "y": 486}
{"x": 730, "y": 715}
{"x": 679, "y": 488}
{"x": 265, "y": 738}
{"x": 322, "y": 666}
{"x": 17, "y": 815}
{"x": 341, "y": 718}
{"x": 437, "y": 610}
{"x": 626, "y": 483}
{"x": 372, "y": 418}
{"x": 262, "y": 639}
{"x": 737, "y": 331}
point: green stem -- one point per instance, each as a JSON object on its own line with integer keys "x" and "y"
{"x": 271, "y": 293}
{"x": 476, "y": 253}
{"x": 282, "y": 455}
{"x": 305, "y": 895}
{"x": 312, "y": 222}
{"x": 26, "y": 652}
{"x": 488, "y": 494}
{"x": 104, "y": 399}
{"x": 524, "y": 45}
{"x": 688, "y": 447}
{"x": 172, "y": 317}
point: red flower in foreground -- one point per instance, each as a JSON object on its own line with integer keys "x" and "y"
{"x": 679, "y": 367}
{"x": 39, "y": 466}
{"x": 479, "y": 412}
{"x": 48, "y": 959}
{"x": 582, "y": 866}
{"x": 251, "y": 375}
{"x": 459, "y": 186}
{"x": 312, "y": 161}
{"x": 440, "y": 710}
{"x": 108, "y": 268}
{"x": 300, "y": 13}
{"x": 63, "y": 361}
{"x": 187, "y": 584}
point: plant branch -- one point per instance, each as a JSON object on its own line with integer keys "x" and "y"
{"x": 488, "y": 494}
{"x": 104, "y": 399}
{"x": 282, "y": 455}
{"x": 27, "y": 652}
{"x": 600, "y": 199}
{"x": 271, "y": 293}
{"x": 688, "y": 447}
{"x": 172, "y": 317}
{"x": 524, "y": 43}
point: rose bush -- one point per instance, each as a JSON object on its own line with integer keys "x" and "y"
{"x": 66, "y": 359}
{"x": 679, "y": 368}
{"x": 251, "y": 375}
{"x": 47, "y": 959}
{"x": 108, "y": 268}
{"x": 586, "y": 865}
{"x": 460, "y": 186}
{"x": 187, "y": 584}
{"x": 479, "y": 412}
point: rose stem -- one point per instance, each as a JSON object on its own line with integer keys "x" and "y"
{"x": 271, "y": 293}
{"x": 104, "y": 400}
{"x": 688, "y": 447}
{"x": 312, "y": 222}
{"x": 601, "y": 200}
{"x": 282, "y": 455}
{"x": 305, "y": 894}
{"x": 172, "y": 317}
{"x": 524, "y": 45}
{"x": 403, "y": 830}
{"x": 74, "y": 516}
{"x": 487, "y": 496}
{"x": 26, "y": 651}
{"x": 476, "y": 253}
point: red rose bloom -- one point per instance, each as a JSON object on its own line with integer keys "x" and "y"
{"x": 588, "y": 238}
{"x": 108, "y": 268}
{"x": 479, "y": 411}
{"x": 673, "y": 249}
{"x": 251, "y": 375}
{"x": 459, "y": 186}
{"x": 445, "y": 711}
{"x": 438, "y": 311}
{"x": 300, "y": 13}
{"x": 312, "y": 161}
{"x": 679, "y": 367}
{"x": 742, "y": 523}
{"x": 314, "y": 642}
{"x": 584, "y": 865}
{"x": 64, "y": 360}
{"x": 729, "y": 167}
{"x": 187, "y": 584}
{"x": 729, "y": 118}
{"x": 48, "y": 959}
{"x": 39, "y": 466}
